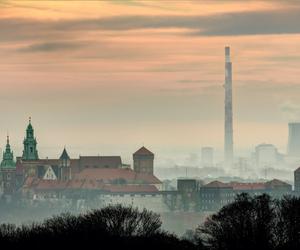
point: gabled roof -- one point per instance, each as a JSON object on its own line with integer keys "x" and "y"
{"x": 50, "y": 174}
{"x": 143, "y": 151}
{"x": 297, "y": 170}
{"x": 217, "y": 184}
{"x": 64, "y": 155}
{"x": 277, "y": 183}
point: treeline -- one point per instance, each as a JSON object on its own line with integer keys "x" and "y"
{"x": 113, "y": 227}
{"x": 248, "y": 223}
{"x": 252, "y": 223}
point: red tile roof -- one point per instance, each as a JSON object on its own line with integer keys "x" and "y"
{"x": 217, "y": 184}
{"x": 75, "y": 184}
{"x": 51, "y": 185}
{"x": 107, "y": 175}
{"x": 143, "y": 151}
{"x": 131, "y": 188}
{"x": 247, "y": 186}
{"x": 100, "y": 161}
{"x": 54, "y": 185}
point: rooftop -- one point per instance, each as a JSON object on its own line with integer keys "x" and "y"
{"x": 143, "y": 151}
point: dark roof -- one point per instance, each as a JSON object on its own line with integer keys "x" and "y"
{"x": 109, "y": 175}
{"x": 277, "y": 183}
{"x": 64, "y": 155}
{"x": 143, "y": 151}
{"x": 130, "y": 188}
{"x": 100, "y": 161}
{"x": 297, "y": 170}
{"x": 40, "y": 162}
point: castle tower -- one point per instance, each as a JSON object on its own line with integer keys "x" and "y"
{"x": 65, "y": 166}
{"x": 228, "y": 135}
{"x": 30, "y": 152}
{"x": 143, "y": 161}
{"x": 8, "y": 170}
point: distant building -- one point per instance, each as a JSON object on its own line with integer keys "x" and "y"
{"x": 207, "y": 156}
{"x": 8, "y": 171}
{"x": 297, "y": 180}
{"x": 143, "y": 161}
{"x": 266, "y": 155}
{"x": 94, "y": 182}
{"x": 216, "y": 194}
{"x": 294, "y": 140}
{"x": 188, "y": 185}
{"x": 64, "y": 176}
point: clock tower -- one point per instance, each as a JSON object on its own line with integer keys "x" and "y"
{"x": 30, "y": 152}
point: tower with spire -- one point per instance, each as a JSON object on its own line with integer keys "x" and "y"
{"x": 65, "y": 169}
{"x": 30, "y": 151}
{"x": 8, "y": 170}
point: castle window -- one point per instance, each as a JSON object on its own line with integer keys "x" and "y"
{"x": 31, "y": 149}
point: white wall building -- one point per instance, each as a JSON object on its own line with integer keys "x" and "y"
{"x": 266, "y": 155}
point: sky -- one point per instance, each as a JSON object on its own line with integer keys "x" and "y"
{"x": 106, "y": 77}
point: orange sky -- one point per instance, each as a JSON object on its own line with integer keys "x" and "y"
{"x": 108, "y": 76}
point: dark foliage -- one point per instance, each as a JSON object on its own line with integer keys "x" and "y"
{"x": 253, "y": 223}
{"x": 113, "y": 227}
{"x": 248, "y": 223}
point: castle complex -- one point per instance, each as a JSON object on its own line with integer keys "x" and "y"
{"x": 33, "y": 176}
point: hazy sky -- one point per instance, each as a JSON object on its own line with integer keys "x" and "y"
{"x": 109, "y": 76}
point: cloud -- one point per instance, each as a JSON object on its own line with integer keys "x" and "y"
{"x": 51, "y": 46}
{"x": 254, "y": 23}
{"x": 291, "y": 110}
{"x": 284, "y": 21}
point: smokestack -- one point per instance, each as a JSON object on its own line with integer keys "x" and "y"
{"x": 228, "y": 138}
{"x": 294, "y": 139}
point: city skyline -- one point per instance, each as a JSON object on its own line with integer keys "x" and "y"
{"x": 125, "y": 72}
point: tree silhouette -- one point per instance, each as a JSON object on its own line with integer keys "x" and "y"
{"x": 113, "y": 226}
{"x": 244, "y": 224}
{"x": 287, "y": 229}
{"x": 126, "y": 221}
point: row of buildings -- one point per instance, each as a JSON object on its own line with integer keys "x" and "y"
{"x": 107, "y": 180}
{"x": 34, "y": 177}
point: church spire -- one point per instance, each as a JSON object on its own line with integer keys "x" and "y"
{"x": 7, "y": 144}
{"x": 8, "y": 156}
{"x": 30, "y": 151}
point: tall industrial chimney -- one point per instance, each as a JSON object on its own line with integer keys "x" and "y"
{"x": 228, "y": 138}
